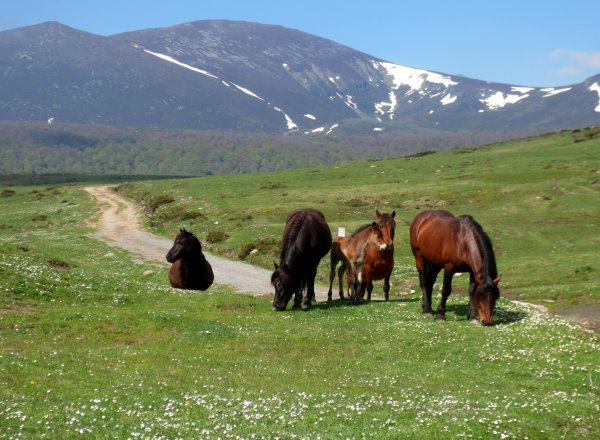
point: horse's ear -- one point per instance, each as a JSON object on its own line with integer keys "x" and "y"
{"x": 377, "y": 213}
{"x": 497, "y": 280}
{"x": 374, "y": 224}
{"x": 393, "y": 214}
{"x": 275, "y": 264}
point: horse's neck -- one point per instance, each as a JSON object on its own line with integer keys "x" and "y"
{"x": 291, "y": 257}
{"x": 476, "y": 259}
{"x": 362, "y": 245}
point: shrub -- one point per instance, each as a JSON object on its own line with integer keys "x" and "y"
{"x": 155, "y": 201}
{"x": 266, "y": 246}
{"x": 216, "y": 236}
{"x": 7, "y": 193}
{"x": 179, "y": 213}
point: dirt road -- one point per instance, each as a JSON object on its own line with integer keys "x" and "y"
{"x": 120, "y": 225}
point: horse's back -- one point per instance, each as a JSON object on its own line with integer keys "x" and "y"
{"x": 206, "y": 275}
{"x": 431, "y": 231}
{"x": 309, "y": 230}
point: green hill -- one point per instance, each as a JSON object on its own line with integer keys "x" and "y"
{"x": 537, "y": 198}
{"x": 95, "y": 343}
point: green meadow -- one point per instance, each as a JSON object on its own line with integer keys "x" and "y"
{"x": 95, "y": 344}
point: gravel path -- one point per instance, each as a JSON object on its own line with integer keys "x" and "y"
{"x": 120, "y": 225}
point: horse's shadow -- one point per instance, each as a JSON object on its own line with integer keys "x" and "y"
{"x": 501, "y": 315}
{"x": 346, "y": 302}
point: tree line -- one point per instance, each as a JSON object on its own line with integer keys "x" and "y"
{"x": 40, "y": 148}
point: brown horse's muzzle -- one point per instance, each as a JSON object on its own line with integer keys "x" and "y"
{"x": 486, "y": 316}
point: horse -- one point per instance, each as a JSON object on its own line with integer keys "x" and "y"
{"x": 306, "y": 239}
{"x": 439, "y": 240}
{"x": 351, "y": 252}
{"x": 189, "y": 268}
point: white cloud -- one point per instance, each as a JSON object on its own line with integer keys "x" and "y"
{"x": 583, "y": 59}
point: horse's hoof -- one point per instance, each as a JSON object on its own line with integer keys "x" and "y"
{"x": 439, "y": 317}
{"x": 474, "y": 321}
{"x": 307, "y": 306}
{"x": 427, "y": 313}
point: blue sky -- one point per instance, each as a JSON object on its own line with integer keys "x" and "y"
{"x": 525, "y": 42}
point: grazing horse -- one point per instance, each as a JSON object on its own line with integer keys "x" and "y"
{"x": 306, "y": 239}
{"x": 351, "y": 252}
{"x": 189, "y": 268}
{"x": 379, "y": 263}
{"x": 439, "y": 240}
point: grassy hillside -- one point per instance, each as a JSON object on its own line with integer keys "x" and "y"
{"x": 95, "y": 344}
{"x": 537, "y": 198}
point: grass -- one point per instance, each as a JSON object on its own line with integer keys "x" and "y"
{"x": 96, "y": 345}
{"x": 537, "y": 199}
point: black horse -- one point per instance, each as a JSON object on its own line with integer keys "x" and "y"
{"x": 189, "y": 269}
{"x": 306, "y": 239}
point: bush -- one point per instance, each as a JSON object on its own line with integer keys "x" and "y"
{"x": 265, "y": 246}
{"x": 216, "y": 237}
{"x": 155, "y": 201}
{"x": 179, "y": 213}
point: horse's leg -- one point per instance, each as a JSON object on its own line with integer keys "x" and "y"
{"x": 341, "y": 272}
{"x": 333, "y": 262}
{"x": 425, "y": 274}
{"x": 386, "y": 287}
{"x": 298, "y": 299}
{"x": 310, "y": 287}
{"x": 362, "y": 284}
{"x": 446, "y": 290}
{"x": 369, "y": 290}
{"x": 472, "y": 314}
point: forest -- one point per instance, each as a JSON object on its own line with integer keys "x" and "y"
{"x": 35, "y": 148}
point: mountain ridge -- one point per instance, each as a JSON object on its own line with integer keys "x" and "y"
{"x": 249, "y": 77}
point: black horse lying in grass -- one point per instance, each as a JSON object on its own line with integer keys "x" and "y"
{"x": 189, "y": 269}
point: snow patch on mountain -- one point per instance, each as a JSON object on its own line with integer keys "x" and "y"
{"x": 596, "y": 88}
{"x": 413, "y": 78}
{"x": 500, "y": 100}
{"x": 247, "y": 92}
{"x": 551, "y": 91}
{"x": 291, "y": 125}
{"x": 449, "y": 99}
{"x": 179, "y": 63}
{"x": 387, "y": 107}
{"x": 522, "y": 89}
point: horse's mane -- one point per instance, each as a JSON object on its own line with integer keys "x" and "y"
{"x": 484, "y": 243}
{"x": 292, "y": 227}
{"x": 361, "y": 228}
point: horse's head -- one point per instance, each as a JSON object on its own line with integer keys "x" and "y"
{"x": 185, "y": 244}
{"x": 376, "y": 236}
{"x": 388, "y": 227}
{"x": 284, "y": 285}
{"x": 484, "y": 298}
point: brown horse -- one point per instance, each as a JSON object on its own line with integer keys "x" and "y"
{"x": 439, "y": 240}
{"x": 351, "y": 252}
{"x": 189, "y": 268}
{"x": 379, "y": 263}
{"x": 306, "y": 239}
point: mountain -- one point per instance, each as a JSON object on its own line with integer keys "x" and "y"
{"x": 249, "y": 77}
